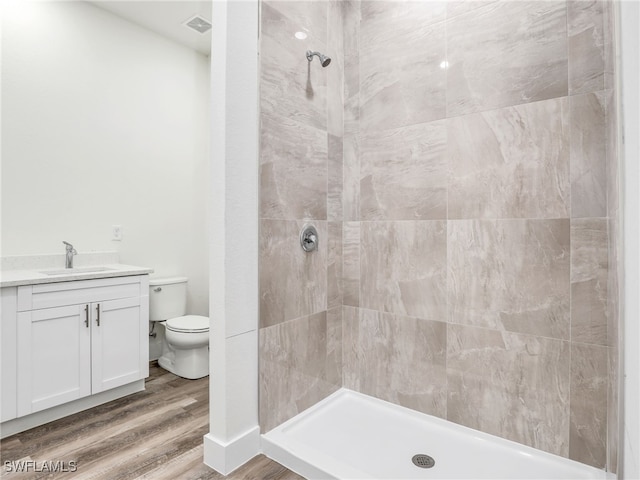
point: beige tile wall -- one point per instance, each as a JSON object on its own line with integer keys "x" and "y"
{"x": 479, "y": 196}
{"x": 301, "y": 172}
{"x": 613, "y": 227}
{"x": 466, "y": 211}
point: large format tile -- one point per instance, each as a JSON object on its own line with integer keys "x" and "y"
{"x": 510, "y": 275}
{"x": 614, "y": 420}
{"x": 589, "y": 275}
{"x": 351, "y": 347}
{"x": 334, "y": 346}
{"x": 293, "y": 170}
{"x": 588, "y": 155}
{"x": 404, "y": 173}
{"x": 293, "y": 283}
{"x": 308, "y": 16}
{"x": 291, "y": 86}
{"x": 335, "y": 179}
{"x": 351, "y": 35}
{"x": 506, "y": 53}
{"x": 611, "y": 154}
{"x": 459, "y": 7}
{"x": 586, "y": 45}
{"x": 351, "y": 178}
{"x": 613, "y": 214}
{"x": 351, "y": 263}
{"x": 401, "y": 80}
{"x": 511, "y": 385}
{"x": 613, "y": 417}
{"x": 381, "y": 18}
{"x": 610, "y": 35}
{"x": 403, "y": 268}
{"x": 334, "y": 265}
{"x": 613, "y": 286}
{"x": 335, "y": 72}
{"x": 295, "y": 358}
{"x": 400, "y": 359}
{"x": 589, "y": 385}
{"x": 511, "y": 162}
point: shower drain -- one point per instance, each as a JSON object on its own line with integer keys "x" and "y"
{"x": 423, "y": 461}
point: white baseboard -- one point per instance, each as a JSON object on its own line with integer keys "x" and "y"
{"x": 225, "y": 457}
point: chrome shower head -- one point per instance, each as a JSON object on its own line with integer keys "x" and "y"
{"x": 324, "y": 60}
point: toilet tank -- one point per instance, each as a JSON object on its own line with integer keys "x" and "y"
{"x": 167, "y": 298}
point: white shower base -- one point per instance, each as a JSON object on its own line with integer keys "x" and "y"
{"x": 353, "y": 436}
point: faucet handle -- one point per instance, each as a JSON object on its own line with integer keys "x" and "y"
{"x": 69, "y": 247}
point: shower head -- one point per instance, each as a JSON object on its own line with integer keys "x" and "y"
{"x": 324, "y": 60}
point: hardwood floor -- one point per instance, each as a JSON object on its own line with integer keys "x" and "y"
{"x": 155, "y": 434}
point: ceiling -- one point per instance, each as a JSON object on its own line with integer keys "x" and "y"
{"x": 165, "y": 18}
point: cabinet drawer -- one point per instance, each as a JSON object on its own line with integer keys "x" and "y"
{"x": 35, "y": 297}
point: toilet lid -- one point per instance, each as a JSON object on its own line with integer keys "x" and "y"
{"x": 188, "y": 323}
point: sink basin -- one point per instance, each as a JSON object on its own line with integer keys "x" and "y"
{"x": 71, "y": 271}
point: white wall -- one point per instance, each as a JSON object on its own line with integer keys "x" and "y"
{"x": 630, "y": 72}
{"x": 234, "y": 434}
{"x": 104, "y": 123}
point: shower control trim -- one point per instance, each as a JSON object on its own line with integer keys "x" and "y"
{"x": 309, "y": 238}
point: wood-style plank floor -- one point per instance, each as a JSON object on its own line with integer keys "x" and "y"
{"x": 155, "y": 434}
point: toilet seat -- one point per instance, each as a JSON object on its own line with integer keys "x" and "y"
{"x": 188, "y": 324}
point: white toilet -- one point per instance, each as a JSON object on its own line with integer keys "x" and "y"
{"x": 185, "y": 351}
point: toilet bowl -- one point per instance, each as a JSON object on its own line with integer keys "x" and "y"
{"x": 185, "y": 349}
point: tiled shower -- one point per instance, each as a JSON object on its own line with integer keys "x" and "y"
{"x": 459, "y": 162}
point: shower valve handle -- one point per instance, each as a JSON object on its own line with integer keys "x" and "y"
{"x": 309, "y": 238}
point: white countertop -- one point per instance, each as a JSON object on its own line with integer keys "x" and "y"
{"x": 14, "y": 278}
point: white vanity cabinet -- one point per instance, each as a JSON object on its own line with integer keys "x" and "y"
{"x": 76, "y": 339}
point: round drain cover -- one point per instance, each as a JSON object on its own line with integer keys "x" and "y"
{"x": 423, "y": 461}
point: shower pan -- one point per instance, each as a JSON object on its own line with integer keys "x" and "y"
{"x": 353, "y": 436}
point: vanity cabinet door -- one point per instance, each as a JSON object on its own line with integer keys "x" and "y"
{"x": 54, "y": 357}
{"x": 119, "y": 345}
{"x": 76, "y": 339}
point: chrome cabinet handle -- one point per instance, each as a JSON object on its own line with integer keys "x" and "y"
{"x": 98, "y": 314}
{"x": 86, "y": 315}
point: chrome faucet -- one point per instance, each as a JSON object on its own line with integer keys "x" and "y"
{"x": 70, "y": 253}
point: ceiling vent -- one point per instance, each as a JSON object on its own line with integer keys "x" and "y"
{"x": 198, "y": 24}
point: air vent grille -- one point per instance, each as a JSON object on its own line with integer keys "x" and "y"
{"x": 199, "y": 24}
